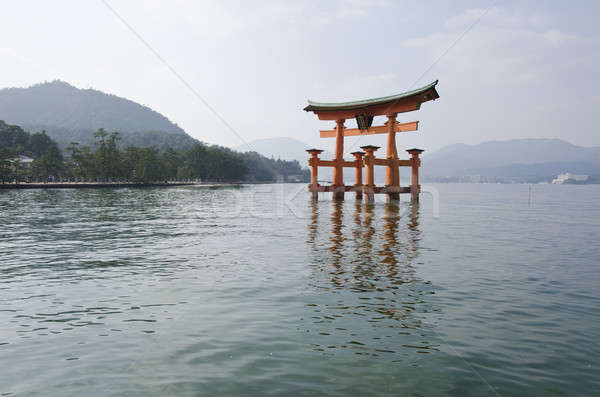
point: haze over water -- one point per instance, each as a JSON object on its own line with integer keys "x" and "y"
{"x": 258, "y": 291}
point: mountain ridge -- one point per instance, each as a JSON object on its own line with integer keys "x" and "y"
{"x": 69, "y": 113}
{"x": 527, "y": 159}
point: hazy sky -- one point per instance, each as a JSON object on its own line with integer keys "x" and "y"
{"x": 526, "y": 69}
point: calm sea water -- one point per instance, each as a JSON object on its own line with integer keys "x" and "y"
{"x": 258, "y": 291}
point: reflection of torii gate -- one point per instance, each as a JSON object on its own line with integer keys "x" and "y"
{"x": 364, "y": 112}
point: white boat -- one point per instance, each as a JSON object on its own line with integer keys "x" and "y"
{"x": 569, "y": 178}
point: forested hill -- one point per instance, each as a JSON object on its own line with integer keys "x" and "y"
{"x": 105, "y": 161}
{"x": 68, "y": 114}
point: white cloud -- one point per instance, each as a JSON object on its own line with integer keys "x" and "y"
{"x": 502, "y": 47}
{"x": 499, "y": 17}
{"x": 557, "y": 38}
{"x": 359, "y": 8}
{"x": 465, "y": 18}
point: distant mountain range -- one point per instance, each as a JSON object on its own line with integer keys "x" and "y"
{"x": 68, "y": 114}
{"x": 283, "y": 148}
{"x": 519, "y": 158}
{"x": 516, "y": 160}
{"x": 286, "y": 148}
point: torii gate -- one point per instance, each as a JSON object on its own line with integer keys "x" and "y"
{"x": 364, "y": 111}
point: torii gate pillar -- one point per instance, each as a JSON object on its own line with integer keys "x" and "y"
{"x": 338, "y": 170}
{"x": 392, "y": 175}
{"x": 415, "y": 188}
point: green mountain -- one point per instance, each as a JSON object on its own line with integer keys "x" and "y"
{"x": 15, "y": 141}
{"x": 68, "y": 114}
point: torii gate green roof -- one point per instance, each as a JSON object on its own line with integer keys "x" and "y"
{"x": 316, "y": 106}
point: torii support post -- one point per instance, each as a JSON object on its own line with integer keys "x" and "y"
{"x": 358, "y": 156}
{"x": 369, "y": 187}
{"x": 314, "y": 172}
{"x": 338, "y": 170}
{"x": 415, "y": 188}
{"x": 392, "y": 174}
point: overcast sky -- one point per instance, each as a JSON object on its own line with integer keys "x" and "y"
{"x": 509, "y": 69}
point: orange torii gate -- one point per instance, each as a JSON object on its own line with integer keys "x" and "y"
{"x": 364, "y": 111}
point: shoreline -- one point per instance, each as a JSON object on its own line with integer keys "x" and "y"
{"x": 96, "y": 185}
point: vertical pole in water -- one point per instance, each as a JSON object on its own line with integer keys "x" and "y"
{"x": 392, "y": 175}
{"x": 415, "y": 188}
{"x": 338, "y": 170}
{"x": 358, "y": 156}
{"x": 314, "y": 169}
{"x": 369, "y": 187}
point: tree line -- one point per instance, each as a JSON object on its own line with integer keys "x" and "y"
{"x": 106, "y": 162}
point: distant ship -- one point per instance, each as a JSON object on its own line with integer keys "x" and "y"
{"x": 568, "y": 178}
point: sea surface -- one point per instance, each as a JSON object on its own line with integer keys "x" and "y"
{"x": 480, "y": 290}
